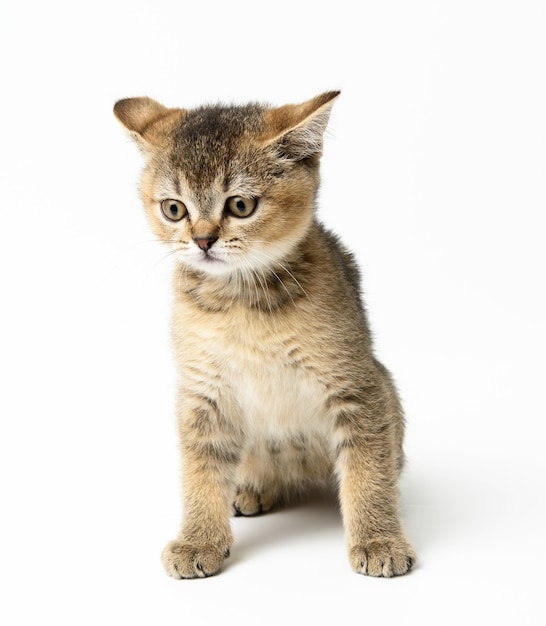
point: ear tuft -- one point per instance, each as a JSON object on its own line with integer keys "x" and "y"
{"x": 297, "y": 130}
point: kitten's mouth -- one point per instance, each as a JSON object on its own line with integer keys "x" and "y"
{"x": 211, "y": 262}
{"x": 208, "y": 257}
{"x": 208, "y": 261}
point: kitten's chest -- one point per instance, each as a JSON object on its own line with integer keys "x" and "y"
{"x": 277, "y": 389}
{"x": 268, "y": 374}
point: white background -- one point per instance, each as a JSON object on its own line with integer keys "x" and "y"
{"x": 433, "y": 173}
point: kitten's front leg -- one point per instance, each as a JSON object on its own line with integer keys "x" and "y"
{"x": 210, "y": 456}
{"x": 367, "y": 466}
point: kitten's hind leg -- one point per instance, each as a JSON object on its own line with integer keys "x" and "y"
{"x": 258, "y": 485}
{"x": 249, "y": 502}
{"x": 276, "y": 471}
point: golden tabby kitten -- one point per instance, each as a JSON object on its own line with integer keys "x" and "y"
{"x": 279, "y": 388}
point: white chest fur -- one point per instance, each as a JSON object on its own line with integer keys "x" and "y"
{"x": 274, "y": 398}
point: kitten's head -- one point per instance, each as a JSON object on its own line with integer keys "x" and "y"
{"x": 230, "y": 188}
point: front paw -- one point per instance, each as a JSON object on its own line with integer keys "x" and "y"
{"x": 185, "y": 560}
{"x": 382, "y": 557}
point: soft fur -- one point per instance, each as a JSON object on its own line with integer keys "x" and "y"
{"x": 279, "y": 388}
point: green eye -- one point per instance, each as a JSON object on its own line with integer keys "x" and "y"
{"x": 173, "y": 210}
{"x": 241, "y": 207}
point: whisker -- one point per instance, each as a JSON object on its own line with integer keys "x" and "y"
{"x": 246, "y": 284}
{"x": 263, "y": 284}
{"x": 168, "y": 255}
{"x": 267, "y": 293}
{"x": 275, "y": 261}
{"x": 279, "y": 279}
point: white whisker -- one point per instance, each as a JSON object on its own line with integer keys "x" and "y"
{"x": 275, "y": 261}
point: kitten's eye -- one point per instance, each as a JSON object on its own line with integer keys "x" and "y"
{"x": 241, "y": 207}
{"x": 173, "y": 210}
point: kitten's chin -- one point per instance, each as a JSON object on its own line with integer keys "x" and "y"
{"x": 209, "y": 265}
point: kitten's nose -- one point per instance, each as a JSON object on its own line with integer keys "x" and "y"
{"x": 205, "y": 243}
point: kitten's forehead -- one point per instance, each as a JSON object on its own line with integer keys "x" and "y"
{"x": 221, "y": 123}
{"x": 209, "y": 139}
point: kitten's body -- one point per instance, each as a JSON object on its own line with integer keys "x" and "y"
{"x": 279, "y": 387}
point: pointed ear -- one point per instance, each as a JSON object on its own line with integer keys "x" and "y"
{"x": 296, "y": 130}
{"x": 146, "y": 120}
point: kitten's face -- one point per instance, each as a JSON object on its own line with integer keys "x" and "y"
{"x": 222, "y": 201}
{"x": 229, "y": 189}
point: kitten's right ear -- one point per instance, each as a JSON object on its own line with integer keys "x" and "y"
{"x": 147, "y": 121}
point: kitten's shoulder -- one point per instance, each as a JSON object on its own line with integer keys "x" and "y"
{"x": 342, "y": 257}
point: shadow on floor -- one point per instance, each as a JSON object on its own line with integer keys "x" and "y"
{"x": 316, "y": 513}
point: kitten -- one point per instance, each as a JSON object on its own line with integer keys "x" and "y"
{"x": 279, "y": 387}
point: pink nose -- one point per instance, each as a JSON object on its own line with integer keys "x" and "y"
{"x": 205, "y": 243}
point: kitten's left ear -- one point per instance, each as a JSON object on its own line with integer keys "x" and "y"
{"x": 147, "y": 121}
{"x": 298, "y": 129}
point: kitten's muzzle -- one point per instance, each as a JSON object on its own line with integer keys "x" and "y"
{"x": 205, "y": 243}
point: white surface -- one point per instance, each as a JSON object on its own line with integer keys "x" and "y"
{"x": 437, "y": 145}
